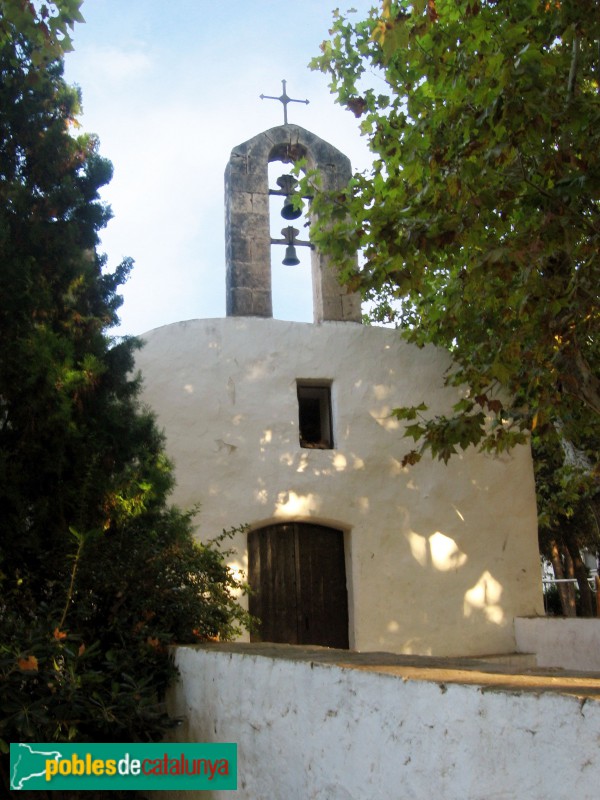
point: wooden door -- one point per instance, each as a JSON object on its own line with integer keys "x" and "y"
{"x": 298, "y": 576}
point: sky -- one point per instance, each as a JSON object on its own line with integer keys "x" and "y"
{"x": 170, "y": 89}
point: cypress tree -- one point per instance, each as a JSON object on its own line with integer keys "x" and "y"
{"x": 97, "y": 573}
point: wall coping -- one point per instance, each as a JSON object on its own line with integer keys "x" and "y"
{"x": 487, "y": 675}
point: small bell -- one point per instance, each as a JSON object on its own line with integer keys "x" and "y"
{"x": 289, "y": 234}
{"x": 291, "y": 259}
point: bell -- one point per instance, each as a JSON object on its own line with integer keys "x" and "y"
{"x": 291, "y": 259}
{"x": 289, "y": 211}
{"x": 287, "y": 184}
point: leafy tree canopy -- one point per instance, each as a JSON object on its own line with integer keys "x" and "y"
{"x": 45, "y": 24}
{"x": 480, "y": 219}
{"x": 98, "y": 575}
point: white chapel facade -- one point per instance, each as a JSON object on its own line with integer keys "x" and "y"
{"x": 286, "y": 427}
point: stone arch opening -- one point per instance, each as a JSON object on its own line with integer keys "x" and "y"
{"x": 247, "y": 224}
{"x": 291, "y": 284}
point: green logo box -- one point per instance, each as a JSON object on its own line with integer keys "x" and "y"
{"x": 123, "y": 766}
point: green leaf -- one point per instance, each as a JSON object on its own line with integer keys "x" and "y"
{"x": 416, "y": 431}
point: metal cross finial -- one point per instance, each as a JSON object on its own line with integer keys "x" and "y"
{"x": 283, "y": 99}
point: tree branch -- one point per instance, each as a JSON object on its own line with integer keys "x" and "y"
{"x": 578, "y": 378}
{"x": 574, "y": 66}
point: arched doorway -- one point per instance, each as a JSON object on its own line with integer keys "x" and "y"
{"x": 297, "y": 574}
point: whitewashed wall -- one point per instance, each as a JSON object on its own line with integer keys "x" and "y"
{"x": 440, "y": 559}
{"x": 310, "y": 731}
{"x": 557, "y": 642}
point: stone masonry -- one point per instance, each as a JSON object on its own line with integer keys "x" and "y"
{"x": 247, "y": 236}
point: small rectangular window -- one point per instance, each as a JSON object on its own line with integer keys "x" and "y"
{"x": 314, "y": 415}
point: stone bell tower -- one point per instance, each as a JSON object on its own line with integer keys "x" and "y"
{"x": 247, "y": 216}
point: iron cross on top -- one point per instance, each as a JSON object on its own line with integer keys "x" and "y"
{"x": 283, "y": 99}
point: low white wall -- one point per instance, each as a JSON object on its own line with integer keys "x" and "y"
{"x": 560, "y": 642}
{"x": 314, "y": 731}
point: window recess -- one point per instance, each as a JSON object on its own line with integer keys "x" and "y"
{"x": 314, "y": 415}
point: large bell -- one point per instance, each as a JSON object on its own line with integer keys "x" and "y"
{"x": 288, "y": 183}
{"x": 291, "y": 259}
{"x": 289, "y": 211}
